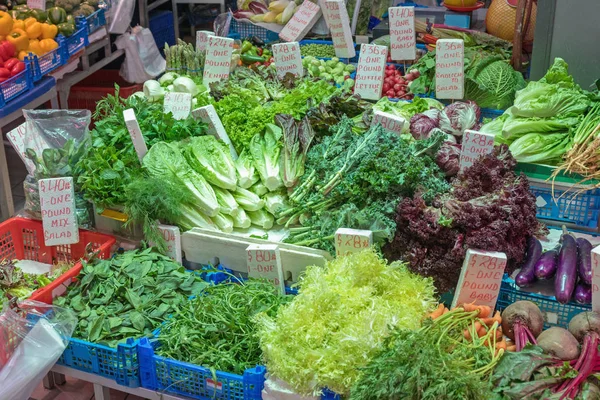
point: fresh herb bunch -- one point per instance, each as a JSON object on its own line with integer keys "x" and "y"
{"x": 128, "y": 295}
{"x": 217, "y": 329}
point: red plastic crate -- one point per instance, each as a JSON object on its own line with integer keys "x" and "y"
{"x": 22, "y": 239}
{"x": 86, "y": 93}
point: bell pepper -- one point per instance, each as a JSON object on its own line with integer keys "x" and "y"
{"x": 71, "y": 19}
{"x": 66, "y": 29}
{"x": 39, "y": 15}
{"x": 48, "y": 45}
{"x": 49, "y": 31}
{"x": 6, "y": 23}
{"x": 34, "y": 30}
{"x": 57, "y": 15}
{"x": 18, "y": 24}
{"x": 7, "y": 50}
{"x": 22, "y": 55}
{"x": 19, "y": 38}
{"x": 14, "y": 66}
{"x": 21, "y": 12}
{"x": 35, "y": 47}
{"x": 4, "y": 74}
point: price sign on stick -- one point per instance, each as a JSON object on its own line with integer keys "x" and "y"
{"x": 388, "y": 121}
{"x": 264, "y": 261}
{"x": 348, "y": 241}
{"x": 218, "y": 59}
{"x": 57, "y": 203}
{"x": 449, "y": 69}
{"x": 480, "y": 278}
{"x": 209, "y": 116}
{"x": 202, "y": 39}
{"x": 337, "y": 19}
{"x": 136, "y": 133}
{"x": 179, "y": 104}
{"x": 474, "y": 145}
{"x": 596, "y": 279}
{"x": 403, "y": 42}
{"x": 302, "y": 21}
{"x": 288, "y": 59}
{"x": 370, "y": 71}
{"x": 172, "y": 236}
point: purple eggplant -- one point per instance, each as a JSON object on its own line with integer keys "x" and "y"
{"x": 583, "y": 293}
{"x": 545, "y": 267}
{"x": 566, "y": 273}
{"x": 526, "y": 276}
{"x": 584, "y": 260}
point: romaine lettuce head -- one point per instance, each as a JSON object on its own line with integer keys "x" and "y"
{"x": 265, "y": 150}
{"x": 226, "y": 201}
{"x": 241, "y": 220}
{"x": 248, "y": 200}
{"x": 223, "y": 222}
{"x": 541, "y": 148}
{"x": 212, "y": 159}
{"x": 515, "y": 127}
{"x": 192, "y": 218}
{"x": 261, "y": 218}
{"x": 246, "y": 172}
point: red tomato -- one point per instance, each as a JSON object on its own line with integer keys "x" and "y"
{"x": 386, "y": 87}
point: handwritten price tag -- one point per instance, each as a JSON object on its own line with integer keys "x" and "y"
{"x": 338, "y": 21}
{"x": 288, "y": 59}
{"x": 302, "y": 21}
{"x": 202, "y": 39}
{"x": 596, "y": 279}
{"x": 264, "y": 261}
{"x": 172, "y": 236}
{"x": 348, "y": 241}
{"x": 57, "y": 203}
{"x": 475, "y": 144}
{"x": 209, "y": 116}
{"x": 22, "y": 139}
{"x": 136, "y": 133}
{"x": 218, "y": 59}
{"x": 178, "y": 104}
{"x": 480, "y": 278}
{"x": 370, "y": 71}
{"x": 388, "y": 121}
{"x": 449, "y": 69}
{"x": 403, "y": 41}
{"x": 36, "y": 4}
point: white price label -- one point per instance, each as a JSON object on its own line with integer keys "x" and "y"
{"x": 57, "y": 204}
{"x": 209, "y": 116}
{"x": 264, "y": 261}
{"x": 403, "y": 41}
{"x": 172, "y": 236}
{"x": 474, "y": 145}
{"x": 302, "y": 21}
{"x": 338, "y": 21}
{"x": 288, "y": 59}
{"x": 36, "y": 4}
{"x": 388, "y": 121}
{"x": 370, "y": 71}
{"x": 136, "y": 133}
{"x": 596, "y": 279}
{"x": 349, "y": 241}
{"x": 480, "y": 278}
{"x": 218, "y": 60}
{"x": 449, "y": 69}
{"x": 202, "y": 39}
{"x": 178, "y": 104}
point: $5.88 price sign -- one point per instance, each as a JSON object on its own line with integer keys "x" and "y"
{"x": 264, "y": 261}
{"x": 348, "y": 241}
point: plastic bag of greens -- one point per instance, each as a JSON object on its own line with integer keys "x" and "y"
{"x": 32, "y": 337}
{"x": 54, "y": 141}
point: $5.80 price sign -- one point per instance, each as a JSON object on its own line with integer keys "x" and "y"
{"x": 264, "y": 261}
{"x": 348, "y": 241}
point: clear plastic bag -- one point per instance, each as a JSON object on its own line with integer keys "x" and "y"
{"x": 32, "y": 338}
{"x": 276, "y": 389}
{"x": 121, "y": 14}
{"x": 142, "y": 58}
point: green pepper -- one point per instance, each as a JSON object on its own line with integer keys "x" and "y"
{"x": 57, "y": 15}
{"x": 246, "y": 45}
{"x": 252, "y": 51}
{"x": 39, "y": 15}
{"x": 266, "y": 52}
{"x": 70, "y": 20}
{"x": 251, "y": 59}
{"x": 66, "y": 29}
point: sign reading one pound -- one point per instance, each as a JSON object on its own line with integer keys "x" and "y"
{"x": 57, "y": 203}
{"x": 403, "y": 44}
{"x": 288, "y": 59}
{"x": 264, "y": 261}
{"x": 370, "y": 71}
{"x": 449, "y": 69}
{"x": 218, "y": 59}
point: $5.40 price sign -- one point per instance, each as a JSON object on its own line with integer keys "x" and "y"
{"x": 264, "y": 261}
{"x": 348, "y": 241}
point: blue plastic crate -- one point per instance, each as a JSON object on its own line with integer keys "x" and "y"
{"x": 78, "y": 40}
{"x": 95, "y": 21}
{"x": 120, "y": 364}
{"x": 491, "y": 113}
{"x": 555, "y": 314}
{"x": 164, "y": 374}
{"x": 17, "y": 85}
{"x": 242, "y": 30}
{"x": 45, "y": 64}
{"x": 162, "y": 28}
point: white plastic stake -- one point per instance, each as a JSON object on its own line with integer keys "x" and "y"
{"x": 202, "y": 39}
{"x": 209, "y": 116}
{"x": 480, "y": 278}
{"x": 302, "y": 21}
{"x": 596, "y": 279}
{"x": 264, "y": 261}
{"x": 474, "y": 145}
{"x": 288, "y": 59}
{"x": 57, "y": 203}
{"x": 348, "y": 241}
{"x": 218, "y": 59}
{"x": 403, "y": 42}
{"x": 449, "y": 69}
{"x": 172, "y": 236}
{"x": 337, "y": 19}
{"x": 391, "y": 122}
{"x": 136, "y": 133}
{"x": 370, "y": 71}
{"x": 179, "y": 104}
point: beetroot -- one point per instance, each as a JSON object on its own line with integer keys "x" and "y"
{"x": 522, "y": 321}
{"x": 559, "y": 343}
